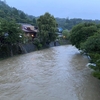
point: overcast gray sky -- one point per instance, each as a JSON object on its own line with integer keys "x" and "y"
{"x": 85, "y": 9}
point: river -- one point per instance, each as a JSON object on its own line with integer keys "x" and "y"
{"x": 58, "y": 73}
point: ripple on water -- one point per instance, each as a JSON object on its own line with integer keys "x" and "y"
{"x": 58, "y": 73}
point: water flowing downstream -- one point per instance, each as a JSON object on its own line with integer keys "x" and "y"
{"x": 58, "y": 73}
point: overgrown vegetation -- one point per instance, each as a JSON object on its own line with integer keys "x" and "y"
{"x": 68, "y": 24}
{"x": 47, "y": 29}
{"x": 10, "y": 36}
{"x": 13, "y": 14}
{"x": 86, "y": 37}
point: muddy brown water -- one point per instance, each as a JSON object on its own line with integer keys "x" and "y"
{"x": 58, "y": 73}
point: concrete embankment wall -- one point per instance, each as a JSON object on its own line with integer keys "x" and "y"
{"x": 52, "y": 44}
{"x": 23, "y": 48}
{"x": 29, "y": 47}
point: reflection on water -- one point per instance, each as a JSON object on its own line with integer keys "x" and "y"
{"x": 52, "y": 74}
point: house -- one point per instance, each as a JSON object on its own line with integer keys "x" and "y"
{"x": 59, "y": 32}
{"x": 60, "y": 29}
{"x": 30, "y": 31}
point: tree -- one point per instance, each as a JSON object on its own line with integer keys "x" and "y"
{"x": 92, "y": 48}
{"x": 15, "y": 11}
{"x": 66, "y": 34}
{"x": 22, "y": 15}
{"x": 81, "y": 32}
{"x": 34, "y": 20}
{"x": 10, "y": 34}
{"x": 92, "y": 44}
{"x": 47, "y": 28}
{"x": 87, "y": 38}
{"x": 12, "y": 29}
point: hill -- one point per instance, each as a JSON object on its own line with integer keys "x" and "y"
{"x": 11, "y": 13}
{"x": 67, "y": 23}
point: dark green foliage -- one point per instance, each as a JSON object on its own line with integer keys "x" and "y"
{"x": 9, "y": 14}
{"x": 92, "y": 44}
{"x": 67, "y": 23}
{"x": 81, "y": 32}
{"x": 10, "y": 35}
{"x": 87, "y": 38}
{"x": 37, "y": 43}
{"x": 66, "y": 34}
{"x": 96, "y": 74}
{"x": 61, "y": 22}
{"x": 95, "y": 58}
{"x": 47, "y": 28}
{"x": 13, "y": 14}
{"x": 4, "y": 51}
{"x": 12, "y": 30}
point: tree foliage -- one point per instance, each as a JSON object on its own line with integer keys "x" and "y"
{"x": 67, "y": 23}
{"x": 10, "y": 35}
{"x": 10, "y": 32}
{"x": 66, "y": 34}
{"x": 92, "y": 47}
{"x": 95, "y": 58}
{"x": 92, "y": 44}
{"x": 81, "y": 32}
{"x": 11, "y": 13}
{"x": 47, "y": 28}
{"x": 87, "y": 38}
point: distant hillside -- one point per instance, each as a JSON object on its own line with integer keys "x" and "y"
{"x": 9, "y": 13}
{"x": 69, "y": 23}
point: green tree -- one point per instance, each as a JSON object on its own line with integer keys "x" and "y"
{"x": 87, "y": 38}
{"x": 95, "y": 58}
{"x": 92, "y": 44}
{"x": 47, "y": 28}
{"x": 10, "y": 34}
{"x": 81, "y": 32}
{"x": 22, "y": 15}
{"x": 15, "y": 11}
{"x": 66, "y": 34}
{"x": 34, "y": 20}
{"x": 14, "y": 33}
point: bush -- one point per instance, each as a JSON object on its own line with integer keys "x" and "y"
{"x": 92, "y": 44}
{"x": 80, "y": 33}
{"x": 37, "y": 43}
{"x": 96, "y": 74}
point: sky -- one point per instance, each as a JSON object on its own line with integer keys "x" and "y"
{"x": 85, "y": 9}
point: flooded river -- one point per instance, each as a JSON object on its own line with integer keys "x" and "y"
{"x": 58, "y": 73}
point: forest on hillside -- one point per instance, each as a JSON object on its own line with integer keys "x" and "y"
{"x": 67, "y": 23}
{"x": 12, "y": 13}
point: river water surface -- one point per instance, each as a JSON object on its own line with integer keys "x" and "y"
{"x": 58, "y": 73}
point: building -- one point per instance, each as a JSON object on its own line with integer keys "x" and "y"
{"x": 59, "y": 32}
{"x": 30, "y": 31}
{"x": 60, "y": 29}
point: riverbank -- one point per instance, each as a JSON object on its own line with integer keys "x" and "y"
{"x": 57, "y": 73}
{"x": 26, "y": 48}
